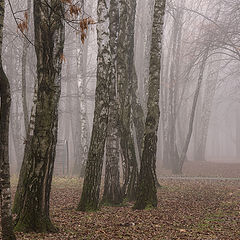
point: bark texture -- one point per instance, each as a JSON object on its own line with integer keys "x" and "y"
{"x": 125, "y": 83}
{"x": 5, "y": 193}
{"x": 112, "y": 191}
{"x": 90, "y": 195}
{"x": 146, "y": 192}
{"x": 33, "y": 192}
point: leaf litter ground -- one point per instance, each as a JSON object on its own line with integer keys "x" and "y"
{"x": 187, "y": 209}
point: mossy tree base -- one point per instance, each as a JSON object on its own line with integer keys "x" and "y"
{"x": 112, "y": 198}
{"x": 146, "y": 191}
{"x": 35, "y": 224}
{"x": 88, "y": 207}
{"x": 34, "y": 186}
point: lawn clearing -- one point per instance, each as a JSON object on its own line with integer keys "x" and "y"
{"x": 187, "y": 209}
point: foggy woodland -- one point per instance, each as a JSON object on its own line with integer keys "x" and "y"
{"x": 121, "y": 104}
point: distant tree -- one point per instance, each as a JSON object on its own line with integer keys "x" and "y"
{"x": 207, "y": 49}
{"x": 81, "y": 134}
{"x": 177, "y": 168}
{"x": 146, "y": 189}
{"x": 5, "y": 100}
{"x": 33, "y": 192}
{"x": 201, "y": 131}
{"x": 24, "y": 65}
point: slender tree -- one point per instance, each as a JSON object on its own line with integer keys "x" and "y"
{"x": 90, "y": 195}
{"x": 33, "y": 192}
{"x": 146, "y": 191}
{"x": 112, "y": 191}
{"x": 125, "y": 69}
{"x": 178, "y": 167}
{"x": 5, "y": 100}
{"x": 207, "y": 50}
{"x": 24, "y": 64}
{"x": 137, "y": 113}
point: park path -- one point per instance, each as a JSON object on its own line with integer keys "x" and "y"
{"x": 199, "y": 178}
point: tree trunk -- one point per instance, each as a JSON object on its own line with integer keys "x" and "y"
{"x": 5, "y": 101}
{"x": 83, "y": 113}
{"x": 206, "y": 115}
{"x": 90, "y": 195}
{"x": 178, "y": 169}
{"x": 5, "y": 193}
{"x": 19, "y": 193}
{"x": 125, "y": 80}
{"x": 37, "y": 169}
{"x": 24, "y": 64}
{"x": 173, "y": 100}
{"x": 147, "y": 50}
{"x": 83, "y": 141}
{"x": 112, "y": 191}
{"x": 138, "y": 113}
{"x": 146, "y": 191}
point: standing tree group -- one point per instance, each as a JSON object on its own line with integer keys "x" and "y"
{"x": 139, "y": 73}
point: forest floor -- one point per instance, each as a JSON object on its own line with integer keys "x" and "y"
{"x": 187, "y": 209}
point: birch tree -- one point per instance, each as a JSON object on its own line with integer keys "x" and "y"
{"x": 93, "y": 172}
{"x": 146, "y": 191}
{"x": 112, "y": 190}
{"x": 33, "y": 192}
{"x": 125, "y": 76}
{"x": 5, "y": 101}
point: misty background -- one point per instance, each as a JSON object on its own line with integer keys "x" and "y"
{"x": 191, "y": 27}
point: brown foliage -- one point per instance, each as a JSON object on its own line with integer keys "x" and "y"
{"x": 187, "y": 209}
{"x": 23, "y": 25}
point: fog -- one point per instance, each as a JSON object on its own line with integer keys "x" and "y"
{"x": 201, "y": 43}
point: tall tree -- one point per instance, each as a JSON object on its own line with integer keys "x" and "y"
{"x": 174, "y": 84}
{"x": 146, "y": 191}
{"x": 125, "y": 63}
{"x": 205, "y": 55}
{"x": 5, "y": 100}
{"x": 33, "y": 192}
{"x": 112, "y": 191}
{"x": 91, "y": 186}
{"x": 205, "y": 115}
{"x": 178, "y": 167}
{"x": 82, "y": 138}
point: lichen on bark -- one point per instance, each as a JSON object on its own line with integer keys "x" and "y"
{"x": 91, "y": 187}
{"x": 5, "y": 103}
{"x": 34, "y": 187}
